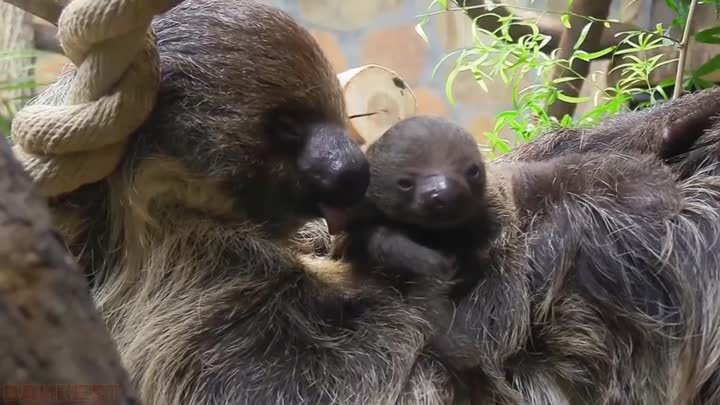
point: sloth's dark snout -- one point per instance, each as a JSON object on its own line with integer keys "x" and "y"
{"x": 334, "y": 167}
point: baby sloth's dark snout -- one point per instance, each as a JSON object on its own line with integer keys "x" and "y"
{"x": 442, "y": 195}
{"x": 334, "y": 167}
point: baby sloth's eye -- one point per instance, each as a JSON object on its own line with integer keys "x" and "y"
{"x": 473, "y": 171}
{"x": 405, "y": 184}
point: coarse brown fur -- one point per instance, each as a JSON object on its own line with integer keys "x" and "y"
{"x": 187, "y": 248}
{"x": 424, "y": 228}
{"x": 604, "y": 295}
{"x": 616, "y": 251}
{"x": 622, "y": 258}
{"x": 191, "y": 246}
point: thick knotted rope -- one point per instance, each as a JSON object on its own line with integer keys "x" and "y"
{"x": 66, "y": 146}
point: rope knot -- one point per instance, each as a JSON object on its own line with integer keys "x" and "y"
{"x": 111, "y": 94}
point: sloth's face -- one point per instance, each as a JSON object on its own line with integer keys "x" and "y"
{"x": 436, "y": 197}
{"x": 431, "y": 197}
{"x": 320, "y": 171}
{"x": 427, "y": 172}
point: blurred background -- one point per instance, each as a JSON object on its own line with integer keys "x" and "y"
{"x": 362, "y": 32}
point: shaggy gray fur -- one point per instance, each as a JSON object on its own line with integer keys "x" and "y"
{"x": 595, "y": 298}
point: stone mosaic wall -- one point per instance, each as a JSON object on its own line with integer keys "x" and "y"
{"x": 383, "y": 32}
{"x": 354, "y": 33}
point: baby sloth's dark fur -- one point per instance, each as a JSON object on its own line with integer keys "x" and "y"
{"x": 425, "y": 213}
{"x": 426, "y": 224}
{"x": 188, "y": 246}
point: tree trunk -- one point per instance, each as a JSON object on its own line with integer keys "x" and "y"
{"x": 598, "y": 9}
{"x": 54, "y": 348}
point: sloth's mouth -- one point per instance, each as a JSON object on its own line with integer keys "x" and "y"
{"x": 335, "y": 217}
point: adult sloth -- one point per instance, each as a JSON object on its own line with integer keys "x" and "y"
{"x": 187, "y": 244}
{"x": 605, "y": 282}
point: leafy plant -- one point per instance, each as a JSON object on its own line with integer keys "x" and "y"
{"x": 496, "y": 55}
{"x": 682, "y": 8}
{"x": 24, "y": 79}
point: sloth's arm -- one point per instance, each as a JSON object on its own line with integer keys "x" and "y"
{"x": 395, "y": 250}
{"x": 277, "y": 329}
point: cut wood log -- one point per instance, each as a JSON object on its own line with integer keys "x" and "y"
{"x": 376, "y": 98}
{"x": 54, "y": 347}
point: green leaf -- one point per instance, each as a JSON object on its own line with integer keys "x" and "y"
{"x": 566, "y": 121}
{"x": 627, "y": 50}
{"x": 682, "y": 8}
{"x": 583, "y": 35}
{"x": 481, "y": 83}
{"x": 565, "y": 19}
{"x": 565, "y": 79}
{"x": 18, "y": 85}
{"x": 552, "y": 97}
{"x": 708, "y": 67}
{"x": 5, "y": 125}
{"x": 21, "y": 54}
{"x": 709, "y": 36}
{"x": 432, "y": 3}
{"x": 667, "y": 82}
{"x": 504, "y": 77}
{"x": 476, "y": 31}
{"x": 449, "y": 85}
{"x": 539, "y": 111}
{"x": 507, "y": 115}
{"x": 588, "y": 56}
{"x": 596, "y": 98}
{"x": 574, "y": 100}
{"x": 662, "y": 92}
{"x": 443, "y": 59}
{"x": 420, "y": 31}
{"x": 443, "y": 4}
{"x": 700, "y": 84}
{"x": 545, "y": 40}
{"x": 502, "y": 145}
{"x": 635, "y": 59}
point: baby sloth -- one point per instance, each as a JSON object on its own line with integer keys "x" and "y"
{"x": 426, "y": 222}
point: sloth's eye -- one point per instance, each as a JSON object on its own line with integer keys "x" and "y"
{"x": 405, "y": 184}
{"x": 473, "y": 171}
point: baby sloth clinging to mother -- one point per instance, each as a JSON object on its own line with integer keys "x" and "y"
{"x": 427, "y": 219}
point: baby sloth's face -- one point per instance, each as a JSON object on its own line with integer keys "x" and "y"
{"x": 435, "y": 194}
{"x": 428, "y": 172}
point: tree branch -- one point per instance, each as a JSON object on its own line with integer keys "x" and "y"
{"x": 598, "y": 9}
{"x": 51, "y": 336}
{"x": 48, "y": 10}
{"x": 684, "y": 45}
